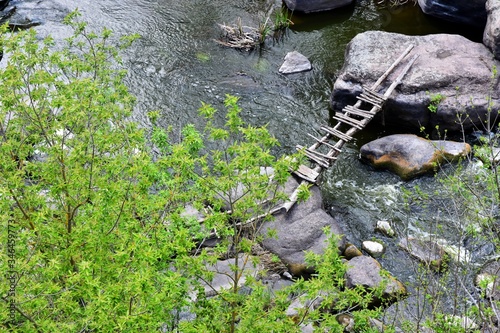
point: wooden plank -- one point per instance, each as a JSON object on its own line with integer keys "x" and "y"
{"x": 337, "y": 133}
{"x": 325, "y": 143}
{"x": 374, "y": 87}
{"x": 313, "y": 157}
{"x": 373, "y": 94}
{"x": 400, "y": 76}
{"x": 307, "y": 173}
{"x": 304, "y": 177}
{"x": 358, "y": 112}
{"x": 347, "y": 120}
{"x": 366, "y": 99}
{"x": 328, "y": 157}
{"x": 305, "y": 170}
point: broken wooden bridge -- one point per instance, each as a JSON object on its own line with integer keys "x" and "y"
{"x": 352, "y": 119}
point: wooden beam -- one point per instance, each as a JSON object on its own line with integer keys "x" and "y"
{"x": 324, "y": 143}
{"x": 336, "y": 133}
{"x": 358, "y": 112}
{"x": 348, "y": 120}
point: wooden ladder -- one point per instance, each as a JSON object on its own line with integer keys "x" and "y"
{"x": 352, "y": 119}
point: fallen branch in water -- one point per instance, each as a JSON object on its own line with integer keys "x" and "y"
{"x": 241, "y": 37}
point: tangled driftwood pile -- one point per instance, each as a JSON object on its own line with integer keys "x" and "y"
{"x": 240, "y": 36}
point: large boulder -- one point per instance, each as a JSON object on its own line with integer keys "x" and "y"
{"x": 309, "y": 6}
{"x": 409, "y": 156}
{"x": 451, "y": 70}
{"x": 300, "y": 230}
{"x": 491, "y": 36}
{"x": 471, "y": 12}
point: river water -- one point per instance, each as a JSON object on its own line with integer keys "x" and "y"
{"x": 176, "y": 65}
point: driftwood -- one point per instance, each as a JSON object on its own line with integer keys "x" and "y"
{"x": 240, "y": 37}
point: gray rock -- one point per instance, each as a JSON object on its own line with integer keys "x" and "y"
{"x": 491, "y": 36}
{"x": 409, "y": 156}
{"x": 385, "y": 228}
{"x": 351, "y": 251}
{"x": 295, "y": 63}
{"x": 471, "y": 12}
{"x": 347, "y": 321}
{"x": 375, "y": 249}
{"x": 427, "y": 251}
{"x": 366, "y": 272}
{"x": 309, "y": 6}
{"x": 223, "y": 271}
{"x": 450, "y": 66}
{"x": 299, "y": 230}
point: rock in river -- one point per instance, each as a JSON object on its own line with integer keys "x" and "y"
{"x": 366, "y": 272}
{"x": 409, "y": 156}
{"x": 300, "y": 230}
{"x": 450, "y": 69}
{"x": 295, "y": 63}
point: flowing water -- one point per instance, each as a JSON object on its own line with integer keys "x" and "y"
{"x": 176, "y": 65}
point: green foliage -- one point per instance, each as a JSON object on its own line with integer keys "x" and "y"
{"x": 282, "y": 19}
{"x": 434, "y": 102}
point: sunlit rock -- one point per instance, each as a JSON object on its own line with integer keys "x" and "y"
{"x": 300, "y": 230}
{"x": 489, "y": 280}
{"x": 375, "y": 249}
{"x": 409, "y": 156}
{"x": 430, "y": 253}
{"x": 491, "y": 36}
{"x": 385, "y": 228}
{"x": 366, "y": 272}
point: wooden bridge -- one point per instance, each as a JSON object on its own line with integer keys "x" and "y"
{"x": 354, "y": 118}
